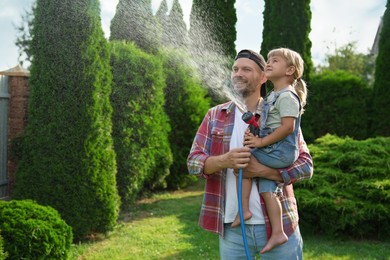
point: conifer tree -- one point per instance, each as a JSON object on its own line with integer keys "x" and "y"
{"x": 162, "y": 13}
{"x": 134, "y": 21}
{"x": 176, "y": 28}
{"x": 287, "y": 24}
{"x": 162, "y": 20}
{"x": 381, "y": 106}
{"x": 68, "y": 160}
{"x": 212, "y": 26}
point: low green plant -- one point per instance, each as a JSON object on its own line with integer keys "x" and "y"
{"x": 33, "y": 231}
{"x": 3, "y": 255}
{"x": 349, "y": 194}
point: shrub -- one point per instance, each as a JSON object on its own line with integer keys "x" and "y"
{"x": 140, "y": 124}
{"x": 32, "y": 231}
{"x": 3, "y": 255}
{"x": 68, "y": 158}
{"x": 349, "y": 194}
{"x": 338, "y": 104}
{"x": 186, "y": 104}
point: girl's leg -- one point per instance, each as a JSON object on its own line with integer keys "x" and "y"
{"x": 246, "y": 191}
{"x": 274, "y": 210}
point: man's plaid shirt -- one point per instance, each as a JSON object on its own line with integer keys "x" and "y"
{"x": 213, "y": 138}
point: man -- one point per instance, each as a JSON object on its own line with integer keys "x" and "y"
{"x": 217, "y": 152}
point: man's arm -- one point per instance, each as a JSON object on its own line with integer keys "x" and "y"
{"x": 256, "y": 169}
{"x": 301, "y": 169}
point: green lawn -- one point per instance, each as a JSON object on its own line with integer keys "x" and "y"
{"x": 165, "y": 227}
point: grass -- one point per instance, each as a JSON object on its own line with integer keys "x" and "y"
{"x": 166, "y": 227}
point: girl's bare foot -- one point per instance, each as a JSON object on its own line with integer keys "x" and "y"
{"x": 274, "y": 241}
{"x": 236, "y": 222}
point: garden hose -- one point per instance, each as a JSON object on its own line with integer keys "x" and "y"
{"x": 242, "y": 221}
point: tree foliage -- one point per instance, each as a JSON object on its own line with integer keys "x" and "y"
{"x": 348, "y": 59}
{"x": 381, "y": 106}
{"x": 68, "y": 160}
{"x": 212, "y": 26}
{"x": 176, "y": 28}
{"x": 134, "y": 22}
{"x": 186, "y": 105}
{"x": 286, "y": 23}
{"x": 23, "y": 39}
{"x": 350, "y": 188}
{"x": 3, "y": 254}
{"x": 140, "y": 124}
{"x": 338, "y": 104}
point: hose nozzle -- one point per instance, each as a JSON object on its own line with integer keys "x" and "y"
{"x": 250, "y": 119}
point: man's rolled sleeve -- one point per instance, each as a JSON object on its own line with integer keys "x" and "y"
{"x": 302, "y": 168}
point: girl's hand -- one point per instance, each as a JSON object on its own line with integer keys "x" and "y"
{"x": 252, "y": 141}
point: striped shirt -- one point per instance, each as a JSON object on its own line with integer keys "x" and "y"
{"x": 212, "y": 139}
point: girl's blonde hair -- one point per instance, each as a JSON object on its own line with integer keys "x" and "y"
{"x": 293, "y": 59}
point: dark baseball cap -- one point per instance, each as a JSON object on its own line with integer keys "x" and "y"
{"x": 252, "y": 55}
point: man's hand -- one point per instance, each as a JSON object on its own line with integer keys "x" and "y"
{"x": 235, "y": 158}
{"x": 256, "y": 169}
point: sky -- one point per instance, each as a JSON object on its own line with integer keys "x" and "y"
{"x": 334, "y": 23}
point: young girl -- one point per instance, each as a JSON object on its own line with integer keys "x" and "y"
{"x": 277, "y": 145}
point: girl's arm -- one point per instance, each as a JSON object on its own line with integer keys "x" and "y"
{"x": 301, "y": 169}
{"x": 287, "y": 127}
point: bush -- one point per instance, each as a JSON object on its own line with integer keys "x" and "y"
{"x": 186, "y": 104}
{"x": 32, "y": 231}
{"x": 349, "y": 194}
{"x": 3, "y": 255}
{"x": 140, "y": 124}
{"x": 68, "y": 158}
{"x": 338, "y": 104}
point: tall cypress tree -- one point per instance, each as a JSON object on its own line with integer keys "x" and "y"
{"x": 68, "y": 160}
{"x": 176, "y": 27}
{"x": 162, "y": 19}
{"x": 381, "y": 106}
{"x": 134, "y": 21}
{"x": 212, "y": 25}
{"x": 287, "y": 24}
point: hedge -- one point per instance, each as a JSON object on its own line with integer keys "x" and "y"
{"x": 140, "y": 124}
{"x": 186, "y": 104}
{"x": 349, "y": 194}
{"x": 338, "y": 103}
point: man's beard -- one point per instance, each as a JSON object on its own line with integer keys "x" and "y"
{"x": 244, "y": 90}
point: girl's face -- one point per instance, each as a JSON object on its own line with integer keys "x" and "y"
{"x": 277, "y": 67}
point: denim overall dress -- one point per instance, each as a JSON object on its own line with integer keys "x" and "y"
{"x": 280, "y": 154}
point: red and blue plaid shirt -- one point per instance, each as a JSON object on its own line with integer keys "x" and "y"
{"x": 213, "y": 138}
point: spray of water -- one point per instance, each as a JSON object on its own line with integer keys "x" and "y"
{"x": 204, "y": 55}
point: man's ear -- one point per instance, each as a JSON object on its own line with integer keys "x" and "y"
{"x": 290, "y": 71}
{"x": 264, "y": 79}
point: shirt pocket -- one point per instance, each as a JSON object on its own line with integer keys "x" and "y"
{"x": 216, "y": 146}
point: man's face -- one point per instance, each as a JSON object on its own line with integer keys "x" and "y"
{"x": 246, "y": 77}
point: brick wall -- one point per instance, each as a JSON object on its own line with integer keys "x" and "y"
{"x": 19, "y": 93}
{"x": 17, "y": 114}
